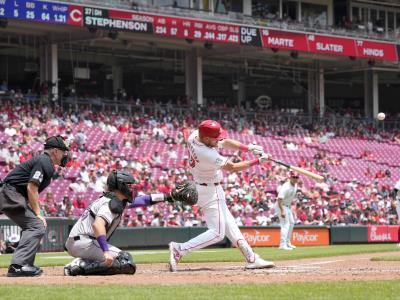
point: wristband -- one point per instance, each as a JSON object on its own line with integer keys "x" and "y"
{"x": 103, "y": 242}
{"x": 243, "y": 148}
{"x": 144, "y": 200}
{"x": 254, "y": 162}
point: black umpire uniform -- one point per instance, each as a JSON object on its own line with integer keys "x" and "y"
{"x": 19, "y": 200}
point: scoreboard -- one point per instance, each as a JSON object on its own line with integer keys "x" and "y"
{"x": 194, "y": 29}
{"x": 36, "y": 11}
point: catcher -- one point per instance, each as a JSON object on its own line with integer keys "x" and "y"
{"x": 87, "y": 240}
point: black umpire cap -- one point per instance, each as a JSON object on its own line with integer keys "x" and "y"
{"x": 56, "y": 142}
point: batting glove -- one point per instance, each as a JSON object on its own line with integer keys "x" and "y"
{"x": 264, "y": 158}
{"x": 255, "y": 149}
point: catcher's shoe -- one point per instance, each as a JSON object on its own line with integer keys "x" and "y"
{"x": 174, "y": 256}
{"x": 74, "y": 268}
{"x": 290, "y": 245}
{"x": 259, "y": 263}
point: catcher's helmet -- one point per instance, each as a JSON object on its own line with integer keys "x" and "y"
{"x": 121, "y": 180}
{"x": 212, "y": 129}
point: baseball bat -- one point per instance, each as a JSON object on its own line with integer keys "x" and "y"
{"x": 302, "y": 171}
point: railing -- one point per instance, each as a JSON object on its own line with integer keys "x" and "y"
{"x": 236, "y": 18}
{"x": 181, "y": 111}
{"x": 281, "y": 116}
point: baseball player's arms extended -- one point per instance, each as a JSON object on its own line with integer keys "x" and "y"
{"x": 230, "y": 144}
{"x": 239, "y": 166}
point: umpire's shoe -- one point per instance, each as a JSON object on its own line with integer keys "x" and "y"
{"x": 23, "y": 271}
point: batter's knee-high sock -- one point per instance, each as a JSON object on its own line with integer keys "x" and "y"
{"x": 246, "y": 250}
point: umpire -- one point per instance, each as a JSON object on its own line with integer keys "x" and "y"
{"x": 19, "y": 200}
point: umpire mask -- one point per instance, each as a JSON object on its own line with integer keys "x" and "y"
{"x": 65, "y": 159}
{"x": 121, "y": 181}
{"x": 58, "y": 142}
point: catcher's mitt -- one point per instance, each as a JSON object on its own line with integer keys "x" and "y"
{"x": 185, "y": 192}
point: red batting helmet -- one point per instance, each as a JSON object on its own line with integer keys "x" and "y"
{"x": 293, "y": 174}
{"x": 212, "y": 129}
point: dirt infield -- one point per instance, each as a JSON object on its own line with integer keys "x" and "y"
{"x": 339, "y": 268}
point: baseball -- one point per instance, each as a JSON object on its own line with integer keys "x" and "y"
{"x": 381, "y": 116}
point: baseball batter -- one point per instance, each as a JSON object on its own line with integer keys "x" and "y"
{"x": 206, "y": 165}
{"x": 87, "y": 240}
{"x": 286, "y": 194}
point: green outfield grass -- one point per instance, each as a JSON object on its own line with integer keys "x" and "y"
{"x": 386, "y": 258}
{"x": 223, "y": 255}
{"x": 326, "y": 291}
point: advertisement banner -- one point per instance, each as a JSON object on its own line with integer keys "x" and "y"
{"x": 267, "y": 237}
{"x": 284, "y": 40}
{"x": 383, "y": 233}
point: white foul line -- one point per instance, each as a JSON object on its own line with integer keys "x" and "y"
{"x": 316, "y": 263}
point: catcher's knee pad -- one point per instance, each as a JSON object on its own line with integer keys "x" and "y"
{"x": 122, "y": 264}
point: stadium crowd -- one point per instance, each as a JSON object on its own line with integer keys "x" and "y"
{"x": 250, "y": 195}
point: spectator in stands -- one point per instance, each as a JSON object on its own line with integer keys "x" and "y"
{"x": 78, "y": 203}
{"x": 156, "y": 222}
{"x": 172, "y": 222}
{"x": 156, "y": 161}
{"x": 96, "y": 184}
{"x": 190, "y": 221}
{"x": 141, "y": 220}
{"x": 172, "y": 153}
{"x": 80, "y": 140}
{"x": 4, "y": 151}
{"x": 74, "y": 163}
{"x": 84, "y": 174}
{"x": 65, "y": 207}
{"x": 113, "y": 146}
{"x": 11, "y": 129}
{"x": 78, "y": 186}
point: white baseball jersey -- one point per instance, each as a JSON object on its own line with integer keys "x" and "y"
{"x": 205, "y": 162}
{"x": 98, "y": 208}
{"x": 287, "y": 192}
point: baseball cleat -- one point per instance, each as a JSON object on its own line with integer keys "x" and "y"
{"x": 291, "y": 246}
{"x": 174, "y": 256}
{"x": 74, "y": 268}
{"x": 285, "y": 247}
{"x": 259, "y": 263}
{"x": 67, "y": 271}
{"x": 23, "y": 271}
